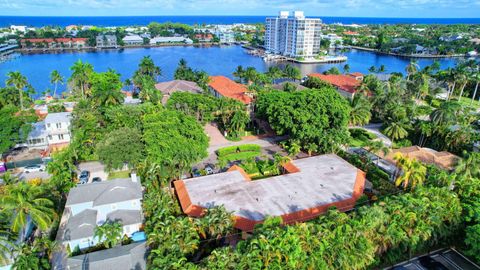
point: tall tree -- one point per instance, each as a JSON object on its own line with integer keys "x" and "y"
{"x": 147, "y": 68}
{"x": 106, "y": 89}
{"x": 25, "y": 200}
{"x": 412, "y": 172}
{"x": 17, "y": 80}
{"x": 81, "y": 73}
{"x": 56, "y": 78}
{"x": 360, "y": 113}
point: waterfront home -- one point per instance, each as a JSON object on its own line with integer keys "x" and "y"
{"x": 53, "y": 132}
{"x": 106, "y": 41}
{"x": 221, "y": 86}
{"x": 451, "y": 38}
{"x": 168, "y": 88}
{"x": 92, "y": 204}
{"x": 131, "y": 257}
{"x": 204, "y": 37}
{"x": 225, "y": 36}
{"x": 346, "y": 85}
{"x": 53, "y": 42}
{"x": 70, "y": 28}
{"x": 334, "y": 39}
{"x": 307, "y": 189}
{"x": 160, "y": 40}
{"x": 350, "y": 33}
{"x": 132, "y": 40}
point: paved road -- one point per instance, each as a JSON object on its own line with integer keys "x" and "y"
{"x": 375, "y": 129}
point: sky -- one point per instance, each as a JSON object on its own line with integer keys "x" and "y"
{"x": 344, "y": 8}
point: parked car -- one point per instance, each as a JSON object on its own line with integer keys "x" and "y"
{"x": 196, "y": 173}
{"x": 431, "y": 264}
{"x": 84, "y": 176}
{"x": 209, "y": 170}
{"x": 96, "y": 179}
{"x": 34, "y": 168}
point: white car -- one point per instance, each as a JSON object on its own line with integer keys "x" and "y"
{"x": 34, "y": 168}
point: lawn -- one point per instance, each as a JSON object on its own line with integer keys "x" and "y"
{"x": 119, "y": 174}
{"x": 241, "y": 152}
{"x": 359, "y": 136}
{"x": 467, "y": 102}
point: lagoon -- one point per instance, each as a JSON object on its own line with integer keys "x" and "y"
{"x": 214, "y": 60}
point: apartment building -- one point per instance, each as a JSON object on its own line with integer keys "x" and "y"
{"x": 293, "y": 36}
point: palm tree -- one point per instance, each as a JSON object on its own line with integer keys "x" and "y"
{"x": 239, "y": 73}
{"x": 446, "y": 114}
{"x": 346, "y": 68}
{"x": 56, "y": 78}
{"x": 25, "y": 200}
{"x": 216, "y": 223}
{"x": 81, "y": 73}
{"x": 376, "y": 147}
{"x": 360, "y": 113}
{"x": 292, "y": 72}
{"x": 109, "y": 233}
{"x": 6, "y": 244}
{"x": 250, "y": 75}
{"x": 17, "y": 80}
{"x": 148, "y": 92}
{"x": 128, "y": 83}
{"x": 470, "y": 165}
{"x": 413, "y": 172}
{"x": 147, "y": 67}
{"x": 280, "y": 161}
{"x": 395, "y": 130}
{"x": 45, "y": 246}
{"x": 463, "y": 77}
{"x": 239, "y": 121}
{"x": 106, "y": 89}
{"x": 476, "y": 78}
{"x": 294, "y": 148}
{"x": 412, "y": 68}
{"x": 274, "y": 73}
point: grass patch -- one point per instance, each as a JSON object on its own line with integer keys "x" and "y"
{"x": 119, "y": 174}
{"x": 237, "y": 149}
{"x": 468, "y": 102}
{"x": 240, "y": 156}
{"x": 360, "y": 136}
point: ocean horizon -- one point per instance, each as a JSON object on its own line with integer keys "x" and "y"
{"x": 104, "y": 21}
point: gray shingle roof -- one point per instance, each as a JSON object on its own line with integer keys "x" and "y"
{"x": 126, "y": 217}
{"x": 128, "y": 257}
{"x": 81, "y": 225}
{"x": 58, "y": 117}
{"x": 105, "y": 192}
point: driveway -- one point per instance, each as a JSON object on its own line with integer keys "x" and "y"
{"x": 216, "y": 137}
{"x": 28, "y": 176}
{"x": 375, "y": 129}
{"x": 95, "y": 168}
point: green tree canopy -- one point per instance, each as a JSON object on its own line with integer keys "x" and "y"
{"x": 309, "y": 116}
{"x": 121, "y": 146}
{"x": 174, "y": 140}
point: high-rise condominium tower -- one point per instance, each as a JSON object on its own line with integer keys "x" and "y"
{"x": 293, "y": 36}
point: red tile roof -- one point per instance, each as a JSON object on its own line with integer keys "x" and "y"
{"x": 228, "y": 88}
{"x": 344, "y": 82}
{"x": 350, "y": 33}
{"x": 49, "y": 40}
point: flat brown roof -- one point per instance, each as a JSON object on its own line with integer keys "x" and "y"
{"x": 316, "y": 184}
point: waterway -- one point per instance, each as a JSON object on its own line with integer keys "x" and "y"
{"x": 214, "y": 60}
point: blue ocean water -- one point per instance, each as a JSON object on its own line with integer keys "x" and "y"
{"x": 144, "y": 20}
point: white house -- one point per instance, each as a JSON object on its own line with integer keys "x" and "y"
{"x": 19, "y": 28}
{"x": 160, "y": 40}
{"x": 91, "y": 205}
{"x": 133, "y": 40}
{"x": 53, "y": 132}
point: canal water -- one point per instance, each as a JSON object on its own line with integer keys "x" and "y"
{"x": 214, "y": 60}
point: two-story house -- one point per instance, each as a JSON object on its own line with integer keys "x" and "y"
{"x": 53, "y": 132}
{"x": 91, "y": 205}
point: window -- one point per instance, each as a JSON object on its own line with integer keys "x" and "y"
{"x": 48, "y": 125}
{"x": 59, "y": 125}
{"x": 60, "y": 136}
{"x": 50, "y": 137}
